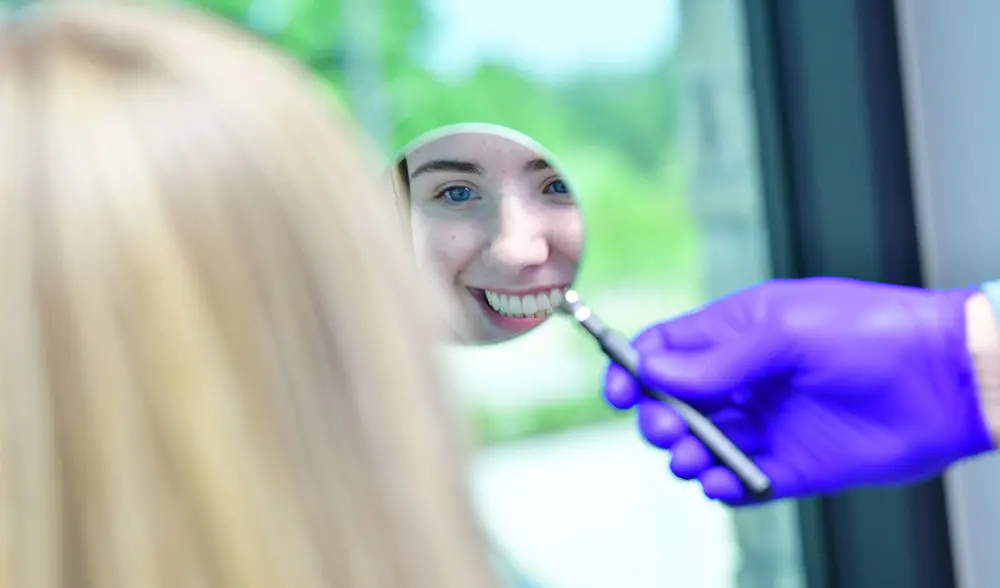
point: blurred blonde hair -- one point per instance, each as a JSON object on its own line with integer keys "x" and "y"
{"x": 215, "y": 364}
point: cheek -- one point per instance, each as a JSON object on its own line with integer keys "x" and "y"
{"x": 446, "y": 245}
{"x": 568, "y": 233}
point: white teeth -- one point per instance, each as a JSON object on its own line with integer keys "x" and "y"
{"x": 528, "y": 306}
{"x": 543, "y": 302}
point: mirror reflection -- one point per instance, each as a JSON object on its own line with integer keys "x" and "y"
{"x": 495, "y": 219}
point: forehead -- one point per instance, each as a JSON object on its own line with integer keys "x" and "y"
{"x": 490, "y": 152}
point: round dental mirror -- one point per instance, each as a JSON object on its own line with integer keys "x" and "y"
{"x": 494, "y": 219}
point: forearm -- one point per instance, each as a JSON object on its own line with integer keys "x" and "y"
{"x": 983, "y": 339}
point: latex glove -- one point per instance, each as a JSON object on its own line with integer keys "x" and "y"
{"x": 827, "y": 383}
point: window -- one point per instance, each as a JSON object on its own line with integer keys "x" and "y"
{"x": 648, "y": 105}
{"x": 714, "y": 143}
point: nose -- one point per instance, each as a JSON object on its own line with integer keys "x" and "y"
{"x": 520, "y": 240}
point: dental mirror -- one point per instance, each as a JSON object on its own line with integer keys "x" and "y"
{"x": 493, "y": 217}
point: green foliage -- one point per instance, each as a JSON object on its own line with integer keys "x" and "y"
{"x": 494, "y": 426}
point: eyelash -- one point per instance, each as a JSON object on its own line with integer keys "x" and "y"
{"x": 549, "y": 185}
{"x": 442, "y": 194}
{"x": 565, "y": 197}
{"x": 546, "y": 187}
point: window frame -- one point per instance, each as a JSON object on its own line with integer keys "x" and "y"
{"x": 838, "y": 196}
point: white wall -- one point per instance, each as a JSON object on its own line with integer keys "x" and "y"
{"x": 951, "y": 61}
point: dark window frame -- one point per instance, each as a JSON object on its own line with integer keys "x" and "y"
{"x": 837, "y": 185}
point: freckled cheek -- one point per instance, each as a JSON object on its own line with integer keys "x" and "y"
{"x": 453, "y": 247}
{"x": 568, "y": 234}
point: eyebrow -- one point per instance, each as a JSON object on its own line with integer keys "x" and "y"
{"x": 537, "y": 165}
{"x": 447, "y": 165}
{"x": 467, "y": 167}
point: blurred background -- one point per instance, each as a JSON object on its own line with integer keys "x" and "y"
{"x": 713, "y": 144}
{"x": 647, "y": 105}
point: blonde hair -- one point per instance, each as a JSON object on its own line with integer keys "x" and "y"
{"x": 215, "y": 368}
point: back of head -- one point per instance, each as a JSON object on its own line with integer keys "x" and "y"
{"x": 214, "y": 366}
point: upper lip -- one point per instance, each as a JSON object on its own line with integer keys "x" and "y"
{"x": 526, "y": 291}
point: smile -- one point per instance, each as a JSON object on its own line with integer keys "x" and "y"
{"x": 527, "y": 304}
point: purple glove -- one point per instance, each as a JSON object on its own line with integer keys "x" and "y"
{"x": 827, "y": 383}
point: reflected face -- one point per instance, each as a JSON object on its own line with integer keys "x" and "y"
{"x": 499, "y": 224}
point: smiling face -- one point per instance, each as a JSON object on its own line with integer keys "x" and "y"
{"x": 499, "y": 224}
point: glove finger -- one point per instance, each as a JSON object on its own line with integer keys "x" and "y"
{"x": 718, "y": 483}
{"x": 659, "y": 424}
{"x": 662, "y": 426}
{"x": 621, "y": 390}
{"x": 689, "y": 457}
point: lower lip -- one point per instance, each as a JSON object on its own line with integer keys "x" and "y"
{"x": 507, "y": 323}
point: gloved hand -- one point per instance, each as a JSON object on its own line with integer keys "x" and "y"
{"x": 826, "y": 383}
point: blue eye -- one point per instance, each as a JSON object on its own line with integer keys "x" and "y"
{"x": 557, "y": 187}
{"x": 456, "y": 194}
